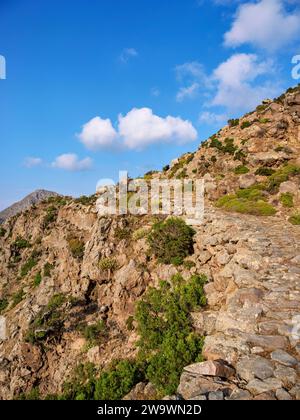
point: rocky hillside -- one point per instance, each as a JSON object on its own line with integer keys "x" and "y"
{"x": 145, "y": 308}
{"x": 30, "y": 200}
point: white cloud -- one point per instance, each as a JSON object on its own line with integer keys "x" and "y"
{"x": 98, "y": 134}
{"x": 137, "y": 130}
{"x": 211, "y": 118}
{"x": 187, "y": 92}
{"x": 237, "y": 85}
{"x": 141, "y": 128}
{"x": 191, "y": 69}
{"x": 128, "y": 53}
{"x": 71, "y": 162}
{"x": 31, "y": 162}
{"x": 265, "y": 24}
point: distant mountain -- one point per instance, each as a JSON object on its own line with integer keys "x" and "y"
{"x": 31, "y": 199}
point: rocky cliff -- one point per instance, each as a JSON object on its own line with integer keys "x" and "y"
{"x": 70, "y": 280}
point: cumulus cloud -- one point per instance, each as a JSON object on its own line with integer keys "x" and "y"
{"x": 141, "y": 128}
{"x": 32, "y": 162}
{"x": 128, "y": 53}
{"x": 71, "y": 162}
{"x": 235, "y": 79}
{"x": 187, "y": 92}
{"x": 212, "y": 118}
{"x": 97, "y": 134}
{"x": 136, "y": 130}
{"x": 265, "y": 24}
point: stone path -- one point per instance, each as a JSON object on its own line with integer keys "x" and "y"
{"x": 253, "y": 318}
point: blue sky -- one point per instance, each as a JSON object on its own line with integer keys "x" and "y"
{"x": 97, "y": 86}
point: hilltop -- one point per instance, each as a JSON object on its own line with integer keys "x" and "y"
{"x": 147, "y": 307}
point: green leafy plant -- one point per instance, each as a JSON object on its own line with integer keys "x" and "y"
{"x": 167, "y": 341}
{"x": 171, "y": 241}
{"x": 233, "y": 122}
{"x": 2, "y": 232}
{"x": 265, "y": 171}
{"x": 17, "y": 297}
{"x": 166, "y": 168}
{"x": 241, "y": 170}
{"x": 47, "y": 269}
{"x": 287, "y": 200}
{"x": 282, "y": 175}
{"x": 30, "y": 263}
{"x": 108, "y": 264}
{"x": 246, "y": 124}
{"x": 140, "y": 234}
{"x": 246, "y": 206}
{"x": 51, "y": 216}
{"x": 3, "y": 304}
{"x": 86, "y": 200}
{"x": 76, "y": 247}
{"x": 21, "y": 243}
{"x": 295, "y": 219}
{"x": 37, "y": 279}
{"x": 94, "y": 332}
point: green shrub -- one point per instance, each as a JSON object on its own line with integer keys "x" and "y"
{"x": 233, "y": 122}
{"x": 246, "y": 206}
{"x": 140, "y": 234}
{"x": 130, "y": 323}
{"x": 76, "y": 247}
{"x": 3, "y": 304}
{"x": 246, "y": 124}
{"x": 253, "y": 193}
{"x": 287, "y": 200}
{"x": 2, "y": 232}
{"x": 282, "y": 175}
{"x": 171, "y": 241}
{"x": 264, "y": 120}
{"x": 240, "y": 170}
{"x": 166, "y": 168}
{"x": 229, "y": 146}
{"x": 51, "y": 216}
{"x": 17, "y": 297}
{"x": 240, "y": 155}
{"x": 86, "y": 200}
{"x": 32, "y": 395}
{"x": 56, "y": 302}
{"x": 261, "y": 108}
{"x": 37, "y": 279}
{"x": 93, "y": 333}
{"x": 47, "y": 269}
{"x": 167, "y": 342}
{"x": 295, "y": 219}
{"x": 108, "y": 264}
{"x": 28, "y": 266}
{"x": 215, "y": 143}
{"x": 21, "y": 243}
{"x": 118, "y": 381}
{"x": 189, "y": 265}
{"x": 264, "y": 171}
{"x": 123, "y": 233}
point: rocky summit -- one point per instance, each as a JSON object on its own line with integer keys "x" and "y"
{"x": 144, "y": 307}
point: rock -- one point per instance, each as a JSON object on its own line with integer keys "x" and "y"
{"x": 193, "y": 386}
{"x": 286, "y": 375}
{"x": 251, "y": 367}
{"x": 211, "y": 368}
{"x": 289, "y": 187}
{"x": 246, "y": 181}
{"x": 284, "y": 358}
{"x": 283, "y": 395}
{"x": 144, "y": 392}
{"x": 216, "y": 396}
{"x": 204, "y": 257}
{"x": 295, "y": 392}
{"x": 257, "y": 387}
{"x": 240, "y": 395}
{"x": 223, "y": 258}
{"x": 269, "y": 343}
{"x": 266, "y": 396}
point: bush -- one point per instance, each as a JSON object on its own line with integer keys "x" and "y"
{"x": 140, "y": 234}
{"x": 215, "y": 143}
{"x": 264, "y": 171}
{"x": 240, "y": 155}
{"x": 167, "y": 342}
{"x": 130, "y": 323}
{"x": 51, "y": 216}
{"x": 287, "y": 200}
{"x": 229, "y": 146}
{"x": 171, "y": 241}
{"x": 166, "y": 168}
{"x": 76, "y": 247}
{"x": 246, "y": 124}
{"x": 246, "y": 206}
{"x": 21, "y": 243}
{"x": 93, "y": 333}
{"x": 295, "y": 219}
{"x": 2, "y": 232}
{"x": 233, "y": 122}
{"x": 240, "y": 170}
{"x": 86, "y": 200}
{"x": 17, "y": 297}
{"x": 3, "y": 305}
{"x": 47, "y": 269}
{"x": 37, "y": 279}
{"x": 282, "y": 175}
{"x": 28, "y": 266}
{"x": 108, "y": 264}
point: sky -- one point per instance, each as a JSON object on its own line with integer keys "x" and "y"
{"x": 93, "y": 87}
